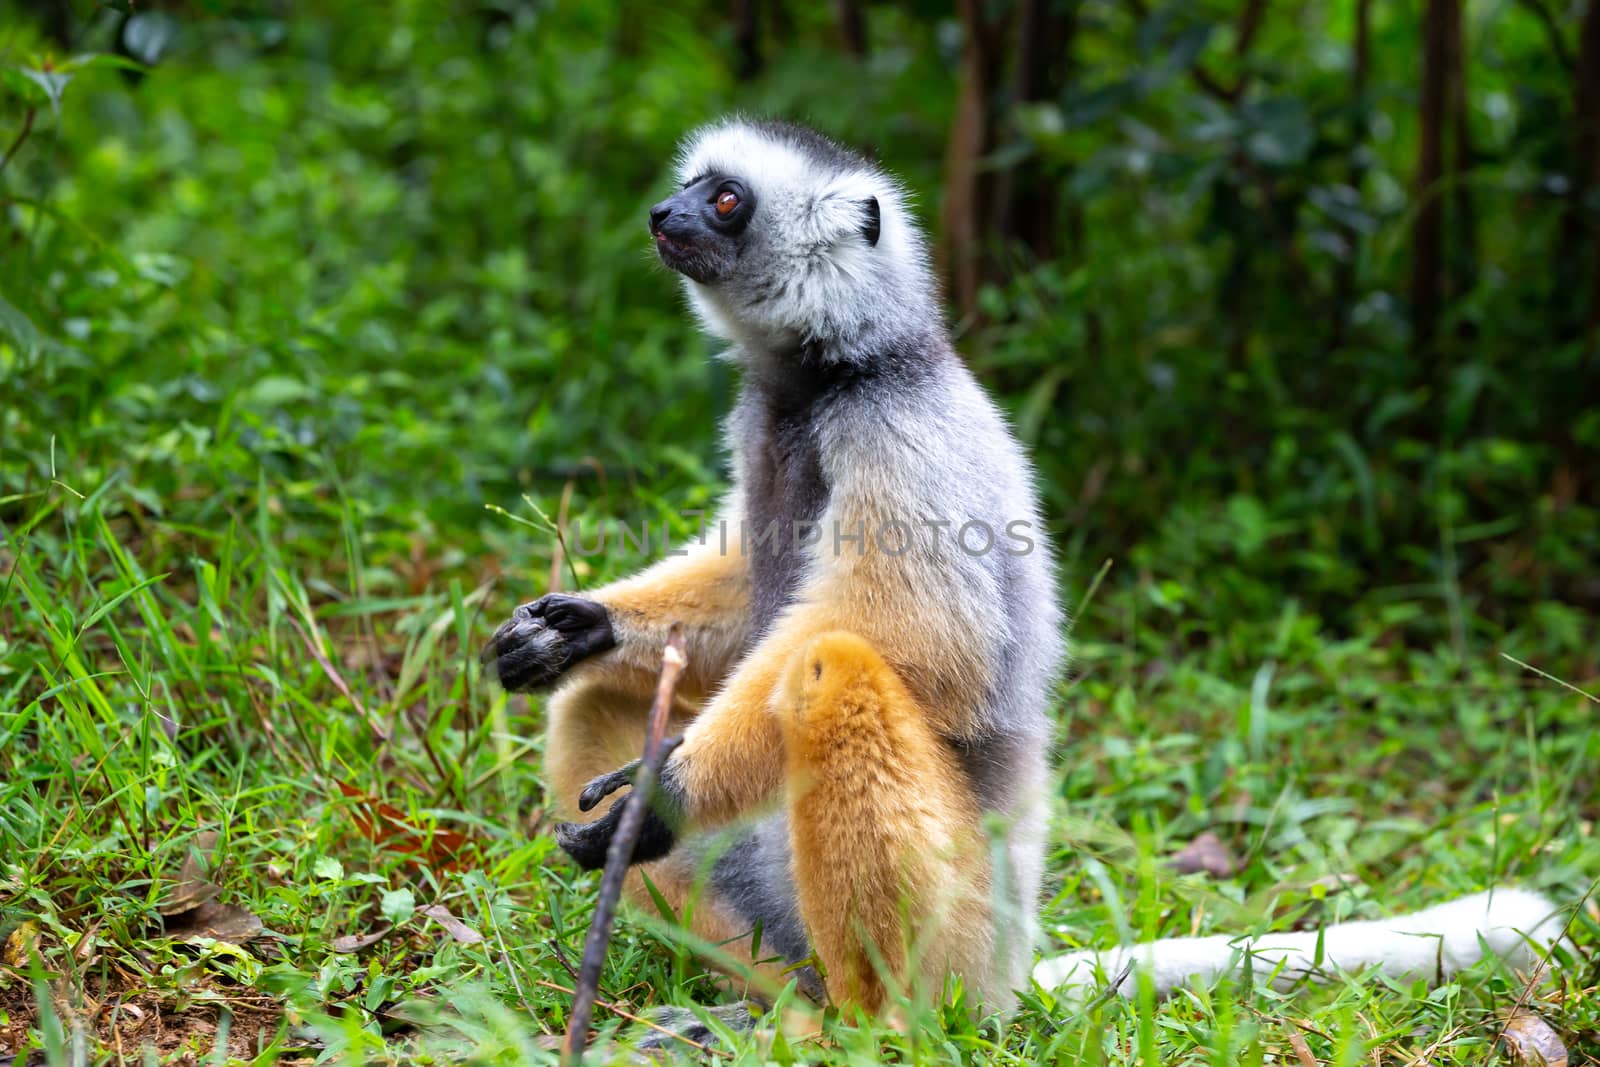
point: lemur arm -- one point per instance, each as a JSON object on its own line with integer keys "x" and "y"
{"x": 731, "y": 758}
{"x": 731, "y": 761}
{"x": 707, "y": 590}
{"x": 618, "y": 631}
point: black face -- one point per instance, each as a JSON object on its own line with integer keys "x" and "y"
{"x": 698, "y": 231}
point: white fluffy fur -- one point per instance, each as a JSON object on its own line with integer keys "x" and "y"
{"x": 809, "y": 213}
{"x": 1432, "y": 945}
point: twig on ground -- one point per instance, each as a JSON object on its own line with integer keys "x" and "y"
{"x": 620, "y": 853}
{"x": 624, "y": 1013}
{"x": 1542, "y": 968}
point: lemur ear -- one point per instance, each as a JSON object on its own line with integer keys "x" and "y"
{"x": 870, "y": 220}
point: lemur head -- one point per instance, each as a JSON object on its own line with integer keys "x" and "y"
{"x": 786, "y": 238}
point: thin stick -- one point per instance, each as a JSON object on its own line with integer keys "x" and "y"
{"x": 561, "y": 958}
{"x": 1551, "y": 678}
{"x": 620, "y": 852}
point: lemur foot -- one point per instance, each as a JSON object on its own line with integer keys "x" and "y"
{"x": 542, "y": 640}
{"x": 681, "y": 1029}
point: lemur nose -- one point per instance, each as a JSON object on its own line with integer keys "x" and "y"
{"x": 658, "y": 215}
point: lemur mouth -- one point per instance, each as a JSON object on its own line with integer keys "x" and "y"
{"x": 687, "y": 257}
{"x": 667, "y": 244}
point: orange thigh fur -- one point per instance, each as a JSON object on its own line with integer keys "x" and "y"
{"x": 890, "y": 869}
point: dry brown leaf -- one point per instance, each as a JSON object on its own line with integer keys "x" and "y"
{"x": 357, "y": 942}
{"x": 1205, "y": 853}
{"x": 453, "y": 926}
{"x": 21, "y": 945}
{"x": 191, "y": 910}
{"x": 387, "y": 827}
{"x": 1532, "y": 1041}
{"x": 213, "y": 919}
{"x": 193, "y": 888}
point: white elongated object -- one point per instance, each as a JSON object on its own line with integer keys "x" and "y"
{"x": 1434, "y": 944}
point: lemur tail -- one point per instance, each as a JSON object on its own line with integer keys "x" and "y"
{"x": 1516, "y": 925}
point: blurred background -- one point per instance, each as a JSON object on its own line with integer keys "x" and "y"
{"x": 319, "y": 319}
{"x": 1289, "y": 301}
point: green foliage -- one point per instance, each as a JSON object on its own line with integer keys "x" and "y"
{"x": 1229, "y": 325}
{"x": 291, "y": 299}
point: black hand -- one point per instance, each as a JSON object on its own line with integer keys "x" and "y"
{"x": 542, "y": 640}
{"x": 587, "y": 842}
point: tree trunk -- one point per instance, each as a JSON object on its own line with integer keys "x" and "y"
{"x": 1581, "y": 244}
{"x": 1344, "y": 278}
{"x": 1427, "y": 234}
{"x": 747, "y": 38}
{"x": 56, "y": 16}
{"x": 1026, "y": 199}
{"x": 1464, "y": 244}
{"x": 966, "y": 186}
{"x": 853, "y": 27}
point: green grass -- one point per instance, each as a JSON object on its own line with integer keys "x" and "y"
{"x": 163, "y": 679}
{"x": 284, "y": 319}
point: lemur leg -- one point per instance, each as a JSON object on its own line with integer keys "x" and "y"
{"x": 724, "y": 888}
{"x": 889, "y": 856}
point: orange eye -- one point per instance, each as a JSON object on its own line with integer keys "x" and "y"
{"x": 726, "y": 202}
